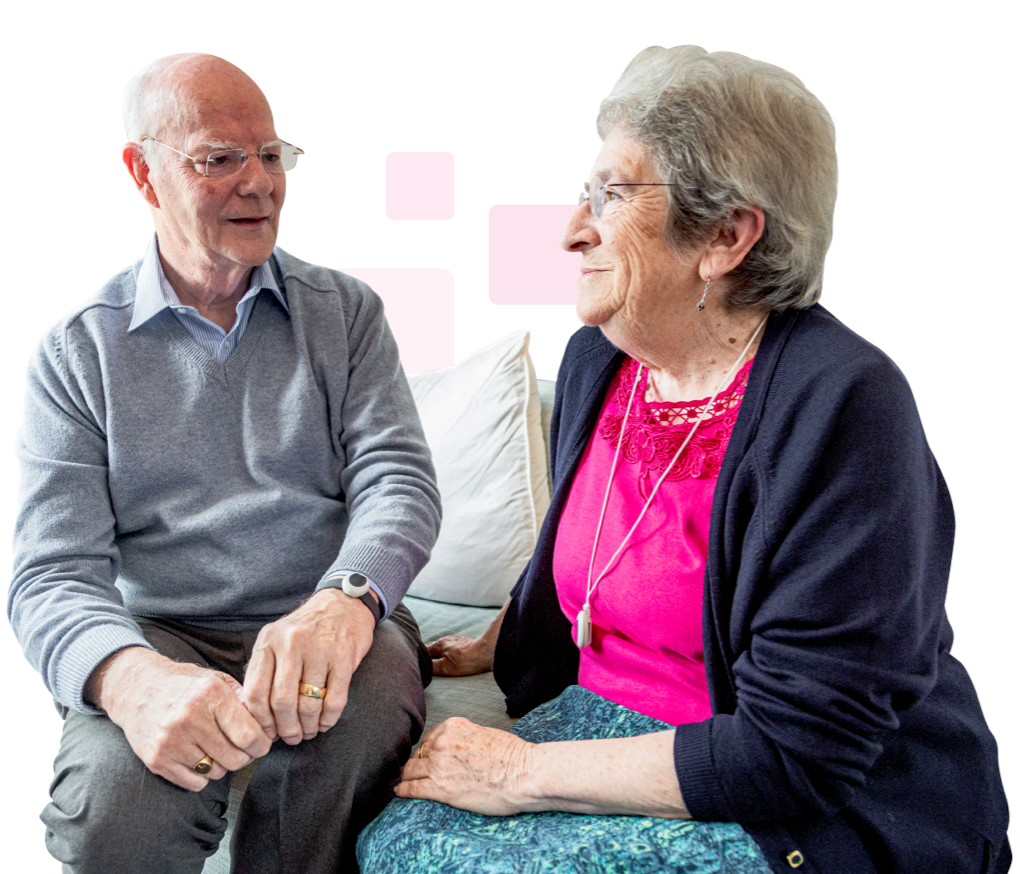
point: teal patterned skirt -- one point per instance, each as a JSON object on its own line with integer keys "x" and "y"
{"x": 426, "y": 837}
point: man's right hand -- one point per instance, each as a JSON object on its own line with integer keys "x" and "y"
{"x": 175, "y": 713}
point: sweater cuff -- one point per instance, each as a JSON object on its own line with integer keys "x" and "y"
{"x": 695, "y": 769}
{"x": 390, "y": 576}
{"x": 84, "y": 653}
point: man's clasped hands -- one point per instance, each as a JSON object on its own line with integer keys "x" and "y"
{"x": 174, "y": 714}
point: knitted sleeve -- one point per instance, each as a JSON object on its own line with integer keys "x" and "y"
{"x": 827, "y": 587}
{"x": 63, "y": 605}
{"x": 388, "y": 481}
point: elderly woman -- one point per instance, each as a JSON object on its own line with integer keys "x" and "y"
{"x": 735, "y": 611}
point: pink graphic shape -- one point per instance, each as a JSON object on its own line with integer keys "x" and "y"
{"x": 474, "y": 201}
{"x": 419, "y": 186}
{"x": 526, "y": 263}
{"x": 419, "y": 308}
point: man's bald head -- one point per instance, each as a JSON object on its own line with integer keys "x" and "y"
{"x": 173, "y": 93}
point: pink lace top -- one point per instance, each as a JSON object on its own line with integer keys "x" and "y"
{"x": 647, "y": 651}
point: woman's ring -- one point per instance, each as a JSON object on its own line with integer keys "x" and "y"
{"x": 203, "y": 765}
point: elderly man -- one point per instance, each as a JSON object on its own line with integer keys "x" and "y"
{"x": 225, "y": 489}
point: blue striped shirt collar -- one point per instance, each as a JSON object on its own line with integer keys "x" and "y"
{"x": 154, "y": 293}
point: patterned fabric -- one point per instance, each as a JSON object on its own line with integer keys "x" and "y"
{"x": 422, "y": 837}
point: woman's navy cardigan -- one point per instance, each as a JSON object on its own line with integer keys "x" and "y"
{"x": 845, "y": 737}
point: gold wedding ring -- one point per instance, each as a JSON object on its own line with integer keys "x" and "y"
{"x": 310, "y": 691}
{"x": 203, "y": 765}
{"x": 421, "y": 750}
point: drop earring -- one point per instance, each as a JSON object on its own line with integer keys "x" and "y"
{"x": 701, "y": 303}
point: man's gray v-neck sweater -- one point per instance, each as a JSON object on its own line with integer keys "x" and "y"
{"x": 157, "y": 482}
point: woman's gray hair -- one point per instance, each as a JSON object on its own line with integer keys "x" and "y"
{"x": 729, "y": 133}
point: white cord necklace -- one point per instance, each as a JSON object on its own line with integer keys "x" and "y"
{"x": 584, "y": 615}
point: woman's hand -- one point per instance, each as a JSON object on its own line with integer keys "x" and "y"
{"x": 493, "y": 772}
{"x": 461, "y": 656}
{"x": 483, "y": 770}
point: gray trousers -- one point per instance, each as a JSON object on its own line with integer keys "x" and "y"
{"x": 305, "y": 805}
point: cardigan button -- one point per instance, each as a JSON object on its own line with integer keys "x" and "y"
{"x": 795, "y": 859}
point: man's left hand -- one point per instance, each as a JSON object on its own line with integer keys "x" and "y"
{"x": 321, "y": 643}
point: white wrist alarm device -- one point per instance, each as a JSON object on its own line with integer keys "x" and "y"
{"x": 354, "y": 584}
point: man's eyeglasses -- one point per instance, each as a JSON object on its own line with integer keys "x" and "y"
{"x": 603, "y": 191}
{"x": 277, "y": 157}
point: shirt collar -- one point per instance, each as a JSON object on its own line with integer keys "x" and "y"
{"x": 154, "y": 293}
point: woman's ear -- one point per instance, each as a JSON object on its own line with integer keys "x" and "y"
{"x": 735, "y": 239}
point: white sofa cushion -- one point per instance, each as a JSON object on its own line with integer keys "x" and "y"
{"x": 482, "y": 419}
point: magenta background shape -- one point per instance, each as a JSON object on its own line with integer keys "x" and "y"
{"x": 419, "y": 186}
{"x": 526, "y": 263}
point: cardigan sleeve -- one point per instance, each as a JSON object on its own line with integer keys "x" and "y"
{"x": 833, "y": 534}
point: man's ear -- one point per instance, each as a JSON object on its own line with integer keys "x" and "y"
{"x": 135, "y": 162}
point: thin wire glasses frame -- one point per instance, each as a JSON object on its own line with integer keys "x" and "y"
{"x": 597, "y": 197}
{"x": 276, "y": 157}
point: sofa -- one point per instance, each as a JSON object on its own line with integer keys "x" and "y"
{"x": 487, "y": 422}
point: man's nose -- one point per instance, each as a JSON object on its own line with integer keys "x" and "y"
{"x": 253, "y": 178}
